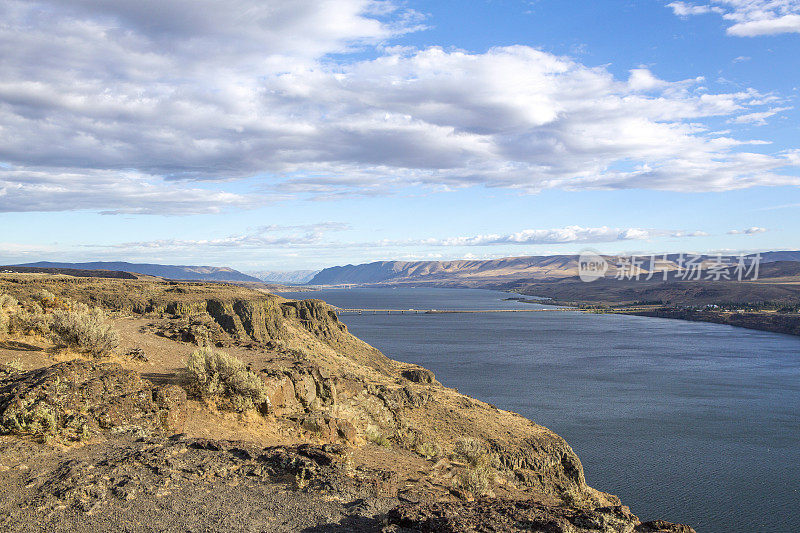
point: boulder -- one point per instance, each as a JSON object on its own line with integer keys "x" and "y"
{"x": 419, "y": 375}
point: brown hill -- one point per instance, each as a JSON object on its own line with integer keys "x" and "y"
{"x": 474, "y": 273}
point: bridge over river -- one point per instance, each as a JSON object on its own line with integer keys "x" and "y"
{"x": 356, "y": 311}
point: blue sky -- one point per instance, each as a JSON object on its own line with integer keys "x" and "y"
{"x": 261, "y": 136}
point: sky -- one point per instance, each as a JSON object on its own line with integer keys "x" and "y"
{"x": 273, "y": 135}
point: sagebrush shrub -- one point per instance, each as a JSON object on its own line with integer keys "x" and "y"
{"x": 7, "y": 302}
{"x": 84, "y": 329}
{"x": 375, "y": 435}
{"x": 47, "y": 299}
{"x": 427, "y": 449}
{"x": 26, "y": 322}
{"x": 475, "y": 481}
{"x": 217, "y": 374}
{"x": 8, "y": 305}
{"x": 470, "y": 450}
{"x": 481, "y": 468}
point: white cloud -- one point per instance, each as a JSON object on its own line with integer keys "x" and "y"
{"x": 689, "y": 234}
{"x": 569, "y": 234}
{"x": 260, "y": 238}
{"x": 759, "y": 118}
{"x": 749, "y": 231}
{"x": 642, "y": 79}
{"x": 314, "y": 236}
{"x": 109, "y": 193}
{"x": 270, "y": 245}
{"x": 749, "y": 18}
{"x": 683, "y": 9}
{"x": 128, "y": 107}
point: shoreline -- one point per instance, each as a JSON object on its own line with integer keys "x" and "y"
{"x": 771, "y": 322}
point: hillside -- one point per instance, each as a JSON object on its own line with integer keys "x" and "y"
{"x": 179, "y": 272}
{"x": 288, "y": 277}
{"x": 541, "y": 267}
{"x": 336, "y": 437}
{"x": 480, "y": 272}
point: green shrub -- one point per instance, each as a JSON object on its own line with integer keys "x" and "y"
{"x": 428, "y": 450}
{"x": 470, "y": 450}
{"x": 217, "y": 374}
{"x": 374, "y": 435}
{"x": 47, "y": 299}
{"x": 84, "y": 329}
{"x": 474, "y": 481}
{"x": 38, "y": 421}
{"x": 481, "y": 468}
{"x": 25, "y": 322}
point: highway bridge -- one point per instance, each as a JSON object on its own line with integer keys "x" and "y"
{"x": 356, "y": 311}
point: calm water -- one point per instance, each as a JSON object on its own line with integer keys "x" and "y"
{"x": 691, "y": 422}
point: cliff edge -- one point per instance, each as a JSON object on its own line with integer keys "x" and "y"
{"x": 342, "y": 438}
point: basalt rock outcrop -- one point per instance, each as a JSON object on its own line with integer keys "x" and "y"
{"x": 132, "y": 483}
{"x": 519, "y": 516}
{"x": 77, "y": 399}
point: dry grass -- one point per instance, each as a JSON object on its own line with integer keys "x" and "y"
{"x": 470, "y": 450}
{"x": 428, "y": 450}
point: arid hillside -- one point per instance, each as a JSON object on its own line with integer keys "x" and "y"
{"x": 148, "y": 405}
{"x": 486, "y": 273}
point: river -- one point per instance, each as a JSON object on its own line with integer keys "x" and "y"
{"x": 686, "y": 421}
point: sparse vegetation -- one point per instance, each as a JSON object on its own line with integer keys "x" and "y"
{"x": 7, "y": 302}
{"x": 411, "y": 439}
{"x": 214, "y": 374}
{"x": 19, "y": 320}
{"x": 469, "y": 450}
{"x": 39, "y": 421}
{"x": 473, "y": 481}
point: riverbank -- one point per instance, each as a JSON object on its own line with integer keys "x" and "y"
{"x": 771, "y": 321}
{"x": 788, "y": 324}
{"x": 765, "y": 305}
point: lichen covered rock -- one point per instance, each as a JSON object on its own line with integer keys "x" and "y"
{"x": 76, "y": 399}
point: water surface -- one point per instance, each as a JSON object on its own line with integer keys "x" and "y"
{"x": 686, "y": 421}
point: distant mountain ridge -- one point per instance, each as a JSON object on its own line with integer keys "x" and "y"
{"x": 472, "y": 272}
{"x": 178, "y": 272}
{"x": 289, "y": 277}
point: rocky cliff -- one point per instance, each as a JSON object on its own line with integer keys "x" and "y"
{"x": 348, "y": 439}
